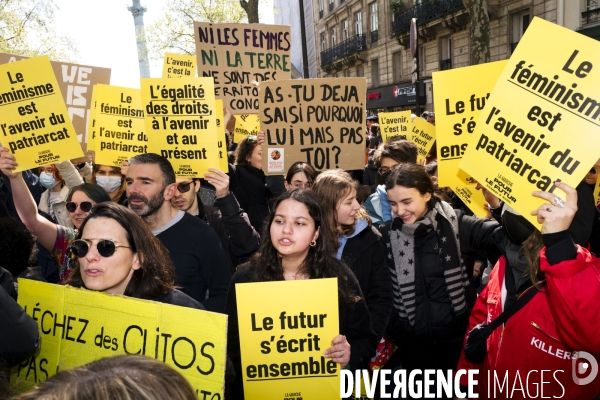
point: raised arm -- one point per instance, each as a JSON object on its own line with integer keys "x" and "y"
{"x": 44, "y": 230}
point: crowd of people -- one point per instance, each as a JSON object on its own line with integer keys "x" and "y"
{"x": 408, "y": 255}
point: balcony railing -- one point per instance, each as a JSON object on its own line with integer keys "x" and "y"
{"x": 425, "y": 11}
{"x": 320, "y": 14}
{"x": 331, "y": 6}
{"x": 345, "y": 48}
{"x": 445, "y": 64}
{"x": 374, "y": 35}
{"x": 590, "y": 16}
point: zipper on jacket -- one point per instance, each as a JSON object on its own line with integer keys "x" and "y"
{"x": 541, "y": 330}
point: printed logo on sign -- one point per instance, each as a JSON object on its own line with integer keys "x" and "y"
{"x": 293, "y": 396}
{"x": 276, "y": 159}
{"x": 585, "y": 368}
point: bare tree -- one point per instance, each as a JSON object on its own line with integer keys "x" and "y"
{"x": 480, "y": 30}
{"x": 251, "y": 8}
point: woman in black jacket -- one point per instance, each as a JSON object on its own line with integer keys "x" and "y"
{"x": 425, "y": 243}
{"x": 357, "y": 242}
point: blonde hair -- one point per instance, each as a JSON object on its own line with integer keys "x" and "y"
{"x": 125, "y": 377}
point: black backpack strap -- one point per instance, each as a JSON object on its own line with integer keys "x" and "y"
{"x": 512, "y": 310}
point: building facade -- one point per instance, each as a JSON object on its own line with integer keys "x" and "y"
{"x": 370, "y": 38}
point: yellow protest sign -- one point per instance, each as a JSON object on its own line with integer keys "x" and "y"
{"x": 282, "y": 342}
{"x": 246, "y": 125}
{"x": 423, "y": 135}
{"x": 552, "y": 132}
{"x": 240, "y": 56}
{"x": 78, "y": 326}
{"x": 91, "y": 127}
{"x": 394, "y": 124}
{"x": 179, "y": 66}
{"x": 318, "y": 121}
{"x": 460, "y": 96}
{"x": 597, "y": 192}
{"x": 34, "y": 121}
{"x": 181, "y": 123}
{"x": 223, "y": 161}
{"x": 119, "y": 125}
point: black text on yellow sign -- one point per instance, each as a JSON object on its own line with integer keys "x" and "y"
{"x": 35, "y": 124}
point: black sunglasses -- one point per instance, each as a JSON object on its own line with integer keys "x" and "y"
{"x": 184, "y": 187}
{"x": 106, "y": 247}
{"x": 593, "y": 171}
{"x": 85, "y": 206}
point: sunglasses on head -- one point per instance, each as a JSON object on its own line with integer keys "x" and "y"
{"x": 85, "y": 206}
{"x": 184, "y": 187}
{"x": 106, "y": 247}
{"x": 252, "y": 138}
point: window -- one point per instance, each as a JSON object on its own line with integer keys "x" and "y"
{"x": 321, "y": 8}
{"x": 397, "y": 65}
{"x": 520, "y": 22}
{"x": 445, "y": 53}
{"x": 345, "y": 30}
{"x": 331, "y": 5}
{"x": 358, "y": 19}
{"x": 333, "y": 37}
{"x": 374, "y": 72}
{"x": 374, "y": 18}
{"x": 346, "y": 73}
{"x": 323, "y": 42}
{"x": 360, "y": 71}
{"x": 421, "y": 55}
{"x": 591, "y": 15}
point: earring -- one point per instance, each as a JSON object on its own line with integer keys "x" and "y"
{"x": 313, "y": 243}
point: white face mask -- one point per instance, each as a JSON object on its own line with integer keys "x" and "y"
{"x": 108, "y": 183}
{"x": 47, "y": 180}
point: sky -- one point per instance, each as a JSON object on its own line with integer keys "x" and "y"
{"x": 105, "y": 35}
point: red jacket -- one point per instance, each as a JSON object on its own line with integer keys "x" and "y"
{"x": 560, "y": 320}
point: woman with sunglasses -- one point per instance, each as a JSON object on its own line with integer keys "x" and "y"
{"x": 53, "y": 237}
{"x": 295, "y": 245}
{"x": 58, "y": 179}
{"x": 248, "y": 182}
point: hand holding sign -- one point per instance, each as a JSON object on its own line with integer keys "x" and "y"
{"x": 7, "y": 163}
{"x": 339, "y": 350}
{"x": 558, "y": 215}
{"x": 219, "y": 180}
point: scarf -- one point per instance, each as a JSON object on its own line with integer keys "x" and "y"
{"x": 401, "y": 249}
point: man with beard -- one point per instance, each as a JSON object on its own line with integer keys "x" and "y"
{"x": 202, "y": 268}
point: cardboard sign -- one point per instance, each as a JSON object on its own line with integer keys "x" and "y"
{"x": 179, "y": 66}
{"x": 181, "y": 123}
{"x": 223, "y": 160}
{"x": 282, "y": 342}
{"x": 75, "y": 82}
{"x": 423, "y": 135}
{"x": 460, "y": 96}
{"x": 119, "y": 125}
{"x": 240, "y": 56}
{"x": 542, "y": 120}
{"x": 394, "y": 124}
{"x": 317, "y": 121}
{"x": 246, "y": 125}
{"x": 34, "y": 122}
{"x": 78, "y": 326}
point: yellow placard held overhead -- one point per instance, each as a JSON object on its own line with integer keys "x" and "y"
{"x": 34, "y": 121}
{"x": 119, "y": 125}
{"x": 91, "y": 126}
{"x": 179, "y": 66}
{"x": 394, "y": 124}
{"x": 542, "y": 120}
{"x": 282, "y": 342}
{"x": 223, "y": 160}
{"x": 246, "y": 125}
{"x": 460, "y": 95}
{"x": 423, "y": 135}
{"x": 78, "y": 326}
{"x": 181, "y": 123}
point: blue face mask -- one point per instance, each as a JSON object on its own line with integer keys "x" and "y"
{"x": 47, "y": 180}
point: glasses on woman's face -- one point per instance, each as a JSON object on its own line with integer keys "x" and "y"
{"x": 106, "y": 247}
{"x": 85, "y": 206}
{"x": 385, "y": 170}
{"x": 594, "y": 169}
{"x": 184, "y": 187}
{"x": 300, "y": 185}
